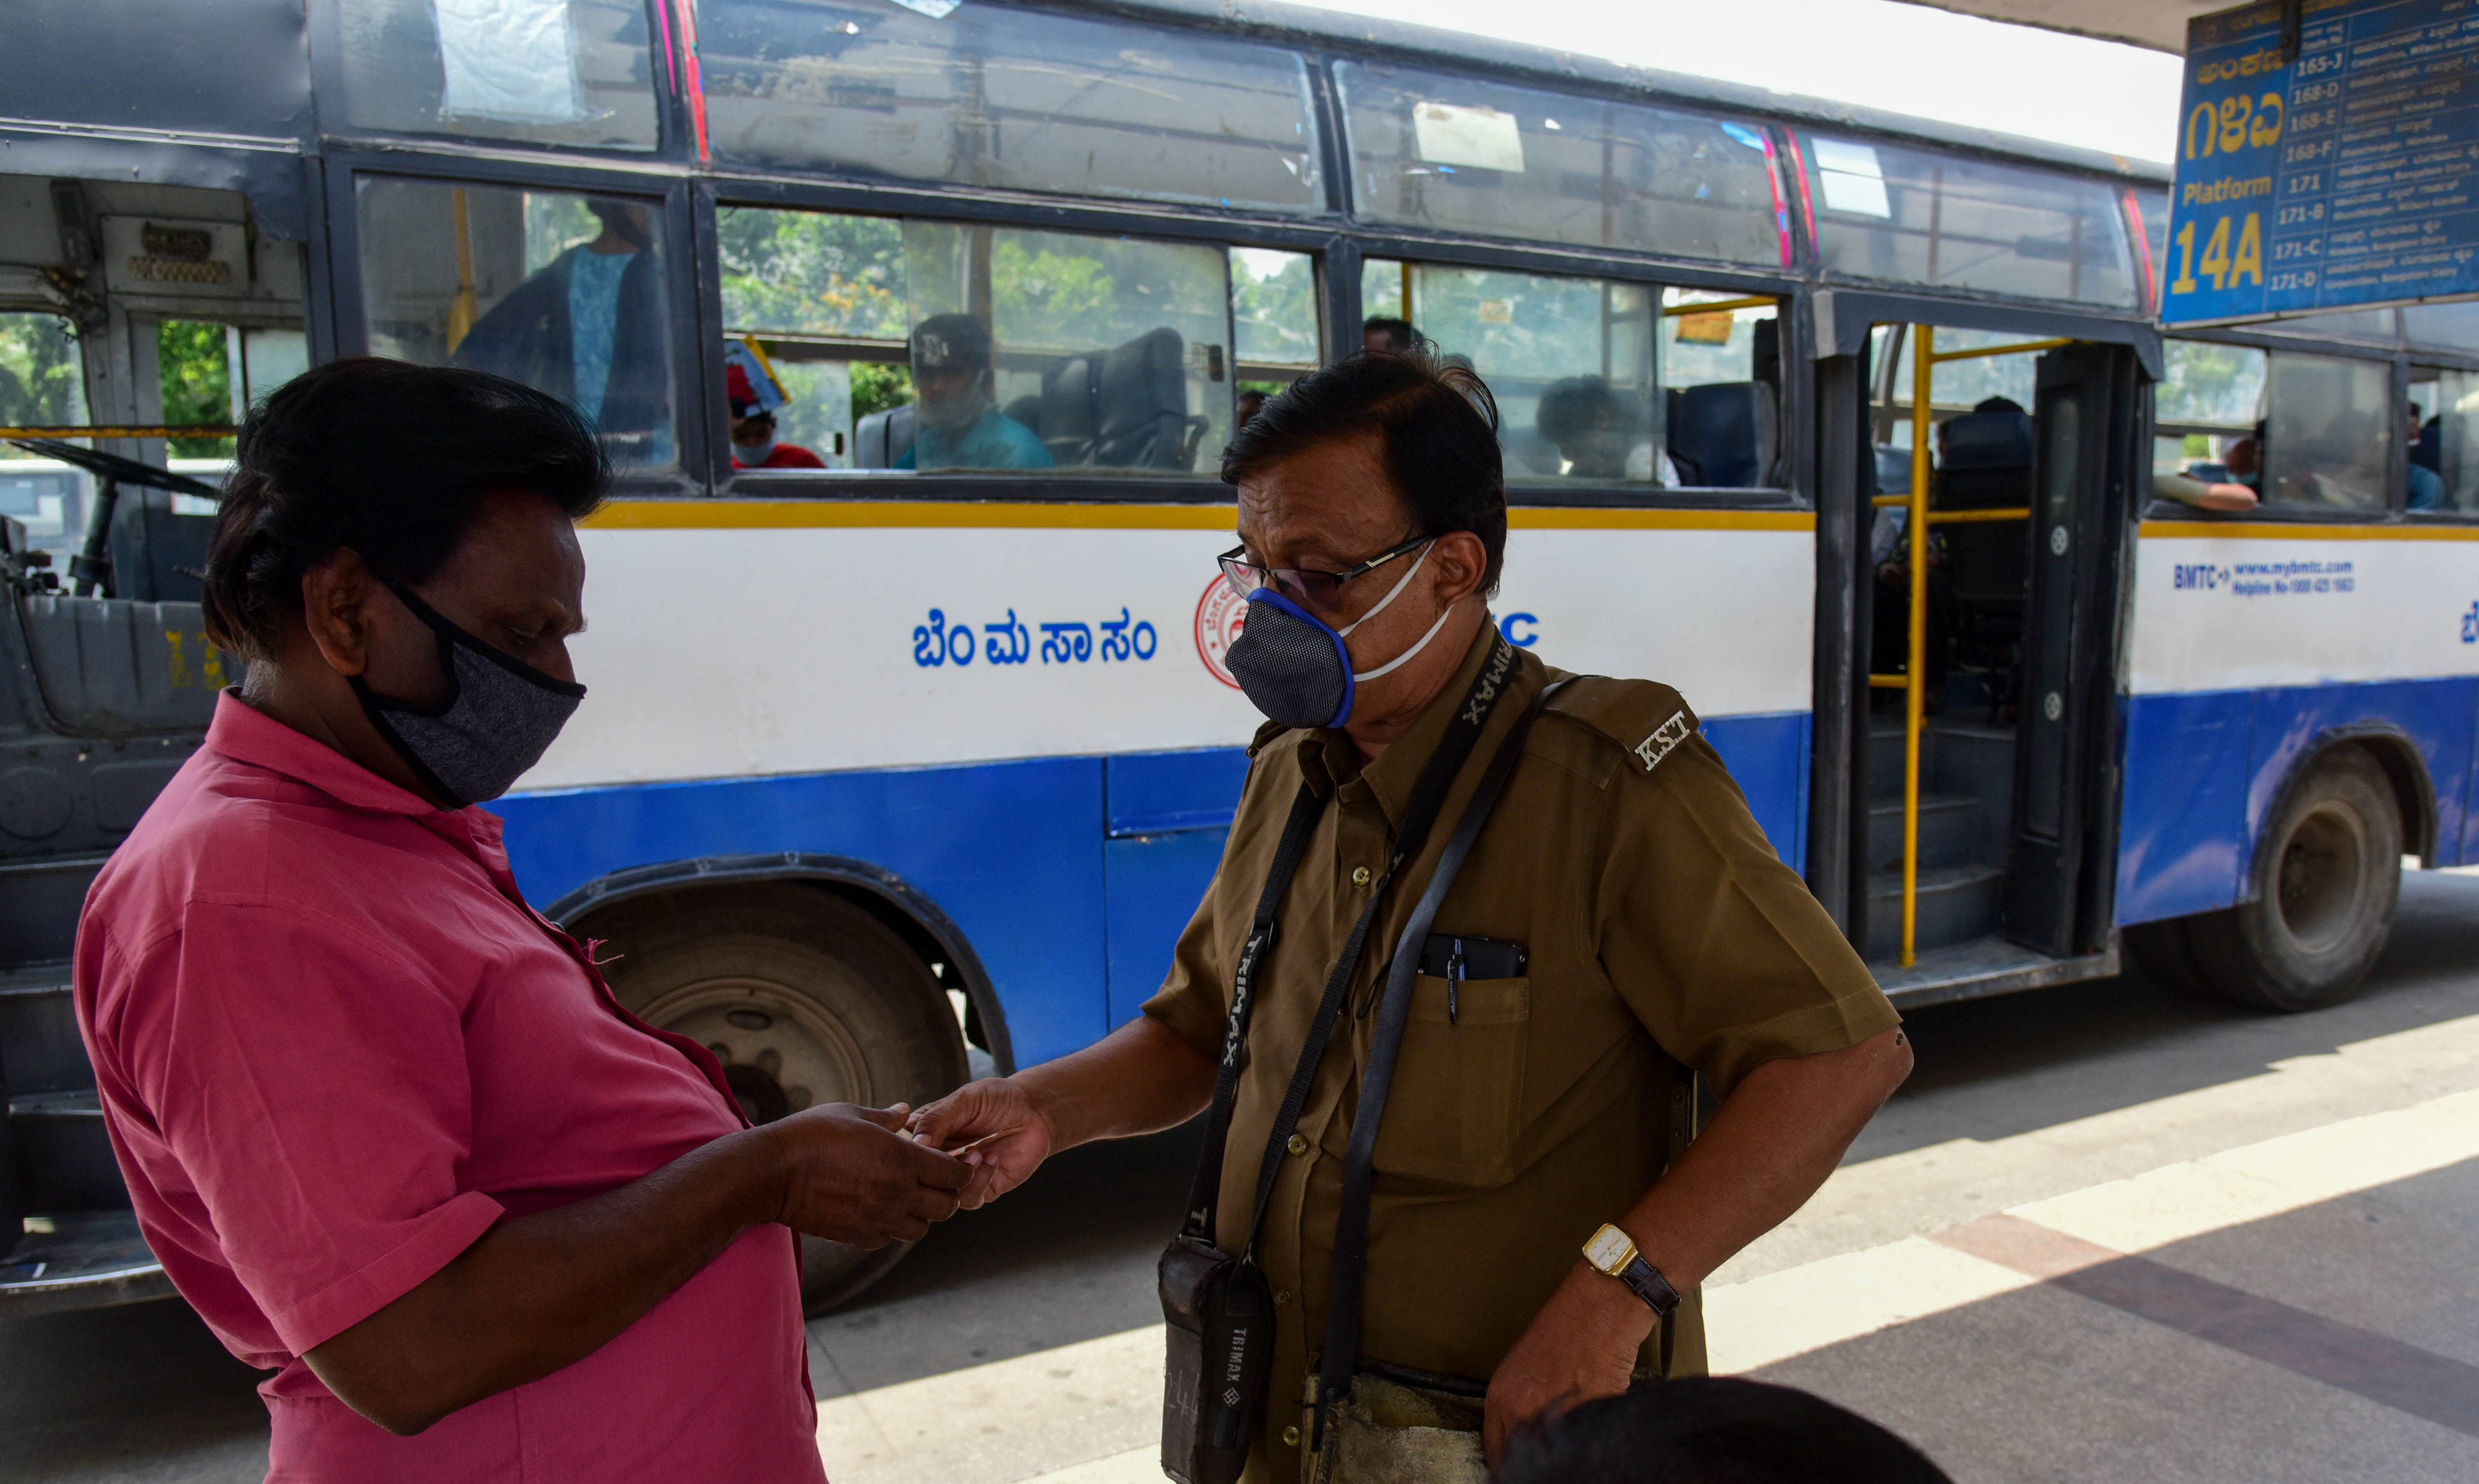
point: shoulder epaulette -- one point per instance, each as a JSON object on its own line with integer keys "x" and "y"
{"x": 1264, "y": 734}
{"x": 1644, "y": 718}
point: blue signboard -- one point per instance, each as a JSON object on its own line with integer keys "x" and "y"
{"x": 2341, "y": 177}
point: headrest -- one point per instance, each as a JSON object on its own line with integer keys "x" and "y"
{"x": 1986, "y": 439}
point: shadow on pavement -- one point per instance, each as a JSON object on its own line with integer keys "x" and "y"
{"x": 129, "y": 1395}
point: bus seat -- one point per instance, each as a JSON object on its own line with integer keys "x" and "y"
{"x": 2428, "y": 452}
{"x": 107, "y": 666}
{"x": 1068, "y": 414}
{"x": 883, "y": 438}
{"x": 1893, "y": 469}
{"x": 1143, "y": 400}
{"x": 1025, "y": 409}
{"x": 1985, "y": 464}
{"x": 1724, "y": 435}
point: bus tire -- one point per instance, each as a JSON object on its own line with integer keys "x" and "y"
{"x": 806, "y": 998}
{"x": 2325, "y": 880}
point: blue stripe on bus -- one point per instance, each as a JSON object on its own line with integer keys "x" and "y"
{"x": 2203, "y": 768}
{"x": 1072, "y": 877}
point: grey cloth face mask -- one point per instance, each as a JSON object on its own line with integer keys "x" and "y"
{"x": 498, "y": 720}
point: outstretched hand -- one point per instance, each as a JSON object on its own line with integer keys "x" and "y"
{"x": 852, "y": 1176}
{"x": 994, "y": 1123}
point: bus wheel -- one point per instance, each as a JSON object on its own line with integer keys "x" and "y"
{"x": 2326, "y": 878}
{"x": 806, "y": 999}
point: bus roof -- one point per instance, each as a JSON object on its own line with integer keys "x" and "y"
{"x": 1301, "y": 25}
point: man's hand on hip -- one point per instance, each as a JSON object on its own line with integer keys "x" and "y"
{"x": 849, "y": 1175}
{"x": 1581, "y": 1345}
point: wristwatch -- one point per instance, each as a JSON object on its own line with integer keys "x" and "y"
{"x": 1613, "y": 1252}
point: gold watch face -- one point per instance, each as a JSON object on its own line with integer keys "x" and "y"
{"x": 1610, "y": 1249}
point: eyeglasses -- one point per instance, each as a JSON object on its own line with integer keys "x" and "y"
{"x": 1309, "y": 588}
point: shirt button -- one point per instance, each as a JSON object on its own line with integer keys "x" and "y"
{"x": 1297, "y": 1145}
{"x": 1283, "y": 1297}
{"x": 1291, "y": 1437}
{"x": 1359, "y": 877}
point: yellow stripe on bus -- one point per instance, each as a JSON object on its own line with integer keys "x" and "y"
{"x": 796, "y": 514}
{"x": 2284, "y": 530}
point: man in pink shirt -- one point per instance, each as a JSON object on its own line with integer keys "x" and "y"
{"x": 382, "y": 1122}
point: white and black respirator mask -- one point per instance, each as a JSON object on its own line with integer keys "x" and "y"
{"x": 500, "y": 717}
{"x": 1296, "y": 666}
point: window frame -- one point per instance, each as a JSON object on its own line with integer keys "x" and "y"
{"x": 670, "y": 193}
{"x": 2399, "y": 361}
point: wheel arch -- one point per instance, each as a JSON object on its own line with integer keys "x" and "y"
{"x": 2413, "y": 789}
{"x": 909, "y": 913}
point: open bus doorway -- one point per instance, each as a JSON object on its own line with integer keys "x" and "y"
{"x": 1990, "y": 843}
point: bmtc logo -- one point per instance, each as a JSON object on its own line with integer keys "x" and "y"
{"x": 2470, "y": 625}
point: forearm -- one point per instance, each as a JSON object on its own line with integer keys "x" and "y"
{"x": 1776, "y": 1139}
{"x": 540, "y": 1292}
{"x": 1139, "y": 1079}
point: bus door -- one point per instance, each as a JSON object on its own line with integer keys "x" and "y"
{"x": 1991, "y": 652}
{"x": 2055, "y": 899}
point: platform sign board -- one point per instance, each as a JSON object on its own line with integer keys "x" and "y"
{"x": 2344, "y": 176}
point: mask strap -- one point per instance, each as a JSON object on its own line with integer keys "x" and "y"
{"x": 1393, "y": 592}
{"x": 1370, "y": 674}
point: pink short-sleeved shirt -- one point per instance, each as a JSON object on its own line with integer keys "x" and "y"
{"x": 334, "y": 1046}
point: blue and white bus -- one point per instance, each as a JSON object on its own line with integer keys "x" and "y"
{"x": 914, "y": 755}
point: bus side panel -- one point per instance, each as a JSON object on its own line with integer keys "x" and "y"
{"x": 2182, "y": 831}
{"x": 2247, "y": 646}
{"x": 1011, "y": 851}
{"x": 1768, "y": 759}
{"x": 1155, "y": 882}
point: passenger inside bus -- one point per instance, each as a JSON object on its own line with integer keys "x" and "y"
{"x": 753, "y": 395}
{"x": 588, "y": 328}
{"x": 2426, "y": 481}
{"x": 956, "y": 422}
{"x": 1599, "y": 434}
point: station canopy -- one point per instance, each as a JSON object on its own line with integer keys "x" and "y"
{"x": 2158, "y": 24}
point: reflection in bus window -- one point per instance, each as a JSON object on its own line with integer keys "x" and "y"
{"x": 2329, "y": 436}
{"x": 576, "y": 72}
{"x": 922, "y": 344}
{"x": 561, "y": 291}
{"x": 2208, "y": 413}
{"x": 1017, "y": 100}
{"x": 1463, "y": 154}
{"x": 1911, "y": 215}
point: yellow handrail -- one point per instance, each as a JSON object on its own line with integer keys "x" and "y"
{"x": 1926, "y": 358}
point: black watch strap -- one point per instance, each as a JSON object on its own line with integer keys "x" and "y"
{"x": 1649, "y": 1286}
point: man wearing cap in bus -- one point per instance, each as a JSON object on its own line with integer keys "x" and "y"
{"x": 754, "y": 392}
{"x": 958, "y": 422}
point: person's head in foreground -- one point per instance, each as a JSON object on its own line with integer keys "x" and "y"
{"x": 385, "y": 1126}
{"x": 1713, "y": 1430}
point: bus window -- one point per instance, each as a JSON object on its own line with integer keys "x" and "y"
{"x": 2207, "y": 412}
{"x": 559, "y": 290}
{"x": 2451, "y": 438}
{"x": 42, "y": 384}
{"x": 573, "y": 73}
{"x": 953, "y": 347}
{"x": 1463, "y": 154}
{"x": 1573, "y": 364}
{"x": 1019, "y": 100}
{"x": 1274, "y": 313}
{"x": 2369, "y": 326}
{"x": 2443, "y": 326}
{"x": 2330, "y": 434}
{"x": 1891, "y": 212}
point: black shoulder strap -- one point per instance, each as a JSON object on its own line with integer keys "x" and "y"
{"x": 1206, "y": 1193}
{"x": 1351, "y": 1230}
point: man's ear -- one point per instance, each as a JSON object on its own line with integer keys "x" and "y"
{"x": 337, "y": 596}
{"x": 1461, "y": 562}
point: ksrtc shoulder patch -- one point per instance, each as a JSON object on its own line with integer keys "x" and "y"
{"x": 1669, "y": 734}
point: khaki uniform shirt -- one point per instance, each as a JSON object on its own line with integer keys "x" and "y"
{"x": 1659, "y": 926}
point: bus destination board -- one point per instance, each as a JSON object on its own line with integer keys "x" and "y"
{"x": 2338, "y": 178}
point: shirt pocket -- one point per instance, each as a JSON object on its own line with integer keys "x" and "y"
{"x": 1454, "y": 1111}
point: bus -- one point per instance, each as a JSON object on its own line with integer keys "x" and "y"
{"x": 907, "y": 755}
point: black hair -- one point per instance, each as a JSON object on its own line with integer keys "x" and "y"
{"x": 390, "y": 460}
{"x": 1398, "y": 332}
{"x": 1580, "y": 404}
{"x": 1713, "y": 1430}
{"x": 1436, "y": 419}
{"x": 1999, "y": 404}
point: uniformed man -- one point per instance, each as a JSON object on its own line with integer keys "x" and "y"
{"x": 1530, "y": 1111}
